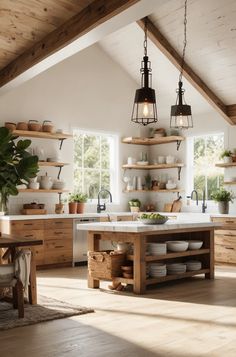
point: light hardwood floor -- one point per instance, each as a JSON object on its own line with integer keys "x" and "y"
{"x": 182, "y": 319}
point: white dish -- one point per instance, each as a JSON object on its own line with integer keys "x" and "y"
{"x": 142, "y": 163}
{"x": 171, "y": 186}
{"x": 177, "y": 246}
{"x": 195, "y": 244}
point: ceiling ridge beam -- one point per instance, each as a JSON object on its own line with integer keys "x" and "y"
{"x": 96, "y": 13}
{"x": 168, "y": 50}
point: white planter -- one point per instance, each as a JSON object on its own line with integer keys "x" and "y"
{"x": 227, "y": 159}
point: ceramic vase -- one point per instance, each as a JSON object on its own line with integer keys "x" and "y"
{"x": 223, "y": 207}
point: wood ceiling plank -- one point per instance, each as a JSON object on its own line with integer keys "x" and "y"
{"x": 87, "y": 19}
{"x": 168, "y": 50}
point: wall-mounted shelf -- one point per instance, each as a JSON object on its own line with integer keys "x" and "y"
{"x": 154, "y": 141}
{"x": 226, "y": 164}
{"x": 40, "y": 190}
{"x": 230, "y": 183}
{"x": 155, "y": 167}
{"x": 54, "y": 164}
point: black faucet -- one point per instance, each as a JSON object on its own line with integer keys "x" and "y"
{"x": 204, "y": 205}
{"x": 102, "y": 207}
{"x": 194, "y": 191}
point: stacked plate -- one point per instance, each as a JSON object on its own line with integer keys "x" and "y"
{"x": 176, "y": 268}
{"x": 157, "y": 270}
{"x": 157, "y": 248}
{"x": 193, "y": 265}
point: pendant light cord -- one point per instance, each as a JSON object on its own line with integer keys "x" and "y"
{"x": 184, "y": 42}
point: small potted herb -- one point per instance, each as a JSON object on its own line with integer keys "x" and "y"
{"x": 226, "y": 156}
{"x": 134, "y": 205}
{"x": 72, "y": 204}
{"x": 223, "y": 197}
{"x": 80, "y": 199}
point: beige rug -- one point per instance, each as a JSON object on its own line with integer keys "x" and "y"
{"x": 46, "y": 310}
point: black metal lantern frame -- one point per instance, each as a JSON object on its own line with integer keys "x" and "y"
{"x": 144, "y": 108}
{"x": 181, "y": 113}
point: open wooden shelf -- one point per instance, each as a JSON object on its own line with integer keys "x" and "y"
{"x": 152, "y": 141}
{"x": 153, "y": 167}
{"x": 188, "y": 274}
{"x": 54, "y": 164}
{"x": 225, "y": 165}
{"x": 157, "y": 191}
{"x": 40, "y": 190}
{"x": 151, "y": 258}
{"x": 230, "y": 183}
{"x": 41, "y": 134}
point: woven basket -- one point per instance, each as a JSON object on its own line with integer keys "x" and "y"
{"x": 106, "y": 264}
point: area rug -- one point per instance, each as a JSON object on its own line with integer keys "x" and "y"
{"x": 47, "y": 309}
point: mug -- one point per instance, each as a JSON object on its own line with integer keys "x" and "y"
{"x": 131, "y": 161}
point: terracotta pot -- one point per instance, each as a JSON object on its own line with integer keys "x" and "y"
{"x": 233, "y": 158}
{"x": 10, "y": 126}
{"x": 72, "y": 207}
{"x": 22, "y": 126}
{"x": 80, "y": 207}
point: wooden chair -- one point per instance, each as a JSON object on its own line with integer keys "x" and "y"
{"x": 8, "y": 279}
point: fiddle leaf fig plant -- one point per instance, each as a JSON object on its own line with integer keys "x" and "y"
{"x": 17, "y": 165}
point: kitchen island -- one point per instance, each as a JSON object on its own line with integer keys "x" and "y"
{"x": 140, "y": 234}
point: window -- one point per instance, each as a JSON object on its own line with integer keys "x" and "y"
{"x": 204, "y": 152}
{"x": 95, "y": 163}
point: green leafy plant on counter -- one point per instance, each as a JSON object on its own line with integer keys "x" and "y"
{"x": 226, "y": 153}
{"x": 134, "y": 202}
{"x": 78, "y": 197}
{"x": 17, "y": 165}
{"x": 223, "y": 195}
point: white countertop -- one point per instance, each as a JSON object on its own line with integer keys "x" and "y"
{"x": 139, "y": 227}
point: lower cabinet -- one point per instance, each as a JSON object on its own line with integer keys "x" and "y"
{"x": 225, "y": 240}
{"x": 57, "y": 236}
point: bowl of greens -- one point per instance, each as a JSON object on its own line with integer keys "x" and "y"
{"x": 152, "y": 218}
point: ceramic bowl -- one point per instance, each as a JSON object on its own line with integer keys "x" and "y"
{"x": 142, "y": 163}
{"x": 195, "y": 244}
{"x": 177, "y": 246}
{"x": 153, "y": 220}
{"x": 171, "y": 186}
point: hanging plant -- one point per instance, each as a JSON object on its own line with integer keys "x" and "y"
{"x": 17, "y": 165}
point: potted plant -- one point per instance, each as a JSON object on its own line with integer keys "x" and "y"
{"x": 72, "y": 203}
{"x": 134, "y": 205}
{"x": 17, "y": 166}
{"x": 226, "y": 156}
{"x": 80, "y": 199}
{"x": 223, "y": 197}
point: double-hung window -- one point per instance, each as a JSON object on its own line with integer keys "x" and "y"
{"x": 203, "y": 153}
{"x": 95, "y": 163}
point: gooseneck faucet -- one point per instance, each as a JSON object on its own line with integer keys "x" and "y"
{"x": 204, "y": 205}
{"x": 102, "y": 207}
{"x": 194, "y": 191}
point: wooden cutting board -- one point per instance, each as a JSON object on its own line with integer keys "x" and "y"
{"x": 177, "y": 205}
{"x": 33, "y": 211}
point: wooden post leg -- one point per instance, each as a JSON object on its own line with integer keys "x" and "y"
{"x": 33, "y": 284}
{"x": 139, "y": 264}
{"x": 93, "y": 245}
{"x": 211, "y": 257}
{"x": 14, "y": 297}
{"x": 20, "y": 299}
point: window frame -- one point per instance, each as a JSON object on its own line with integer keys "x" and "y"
{"x": 114, "y": 169}
{"x": 190, "y": 161}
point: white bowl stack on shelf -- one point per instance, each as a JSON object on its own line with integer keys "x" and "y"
{"x": 195, "y": 244}
{"x": 157, "y": 270}
{"x": 176, "y": 268}
{"x": 177, "y": 245}
{"x": 193, "y": 265}
{"x": 157, "y": 248}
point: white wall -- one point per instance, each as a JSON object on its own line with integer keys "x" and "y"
{"x": 87, "y": 90}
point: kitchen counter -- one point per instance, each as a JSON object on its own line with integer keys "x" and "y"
{"x": 63, "y": 216}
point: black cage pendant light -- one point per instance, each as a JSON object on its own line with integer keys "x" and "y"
{"x": 144, "y": 109}
{"x": 181, "y": 113}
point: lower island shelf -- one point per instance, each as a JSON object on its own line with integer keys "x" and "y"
{"x": 149, "y": 234}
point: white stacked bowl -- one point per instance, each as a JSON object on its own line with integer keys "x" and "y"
{"x": 177, "y": 246}
{"x": 193, "y": 265}
{"x": 195, "y": 244}
{"x": 157, "y": 270}
{"x": 176, "y": 268}
{"x": 157, "y": 248}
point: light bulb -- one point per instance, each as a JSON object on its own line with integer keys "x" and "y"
{"x": 145, "y": 109}
{"x": 181, "y": 121}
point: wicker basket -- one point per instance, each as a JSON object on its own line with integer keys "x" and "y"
{"x": 106, "y": 264}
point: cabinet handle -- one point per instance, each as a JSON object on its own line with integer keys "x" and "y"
{"x": 230, "y": 248}
{"x": 28, "y": 224}
{"x": 59, "y": 246}
{"x": 28, "y": 235}
{"x": 58, "y": 232}
{"x": 229, "y": 222}
{"x": 58, "y": 222}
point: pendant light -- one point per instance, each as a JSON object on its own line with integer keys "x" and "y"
{"x": 181, "y": 113}
{"x": 144, "y": 109}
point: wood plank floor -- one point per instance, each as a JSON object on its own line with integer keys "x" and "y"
{"x": 182, "y": 319}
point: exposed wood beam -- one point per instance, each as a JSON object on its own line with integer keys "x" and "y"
{"x": 98, "y": 12}
{"x": 167, "y": 49}
{"x": 231, "y": 110}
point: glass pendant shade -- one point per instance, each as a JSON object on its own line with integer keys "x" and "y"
{"x": 144, "y": 109}
{"x": 181, "y": 114}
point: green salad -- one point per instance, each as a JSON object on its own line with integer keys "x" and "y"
{"x": 152, "y": 216}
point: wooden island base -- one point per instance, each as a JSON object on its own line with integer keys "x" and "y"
{"x": 140, "y": 259}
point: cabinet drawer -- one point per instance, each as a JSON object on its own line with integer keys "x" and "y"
{"x": 57, "y": 244}
{"x": 55, "y": 256}
{"x": 226, "y": 232}
{"x": 58, "y": 223}
{"x": 58, "y": 234}
{"x": 224, "y": 220}
{"x": 225, "y": 240}
{"x": 34, "y": 234}
{"x": 225, "y": 254}
{"x": 34, "y": 224}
